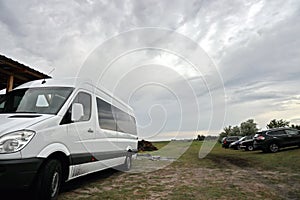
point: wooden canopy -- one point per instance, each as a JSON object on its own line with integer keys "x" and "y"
{"x": 13, "y": 73}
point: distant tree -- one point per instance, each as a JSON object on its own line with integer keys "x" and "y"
{"x": 248, "y": 127}
{"x": 277, "y": 123}
{"x": 200, "y": 137}
{"x": 295, "y": 126}
{"x": 211, "y": 137}
{"x": 235, "y": 131}
{"x": 226, "y": 132}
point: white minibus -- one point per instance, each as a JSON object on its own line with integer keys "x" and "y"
{"x": 52, "y": 131}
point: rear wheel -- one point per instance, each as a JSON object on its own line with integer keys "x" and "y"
{"x": 273, "y": 147}
{"x": 250, "y": 148}
{"x": 49, "y": 180}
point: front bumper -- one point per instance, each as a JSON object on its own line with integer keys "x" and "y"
{"x": 19, "y": 173}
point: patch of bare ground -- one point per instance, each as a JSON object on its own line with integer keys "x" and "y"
{"x": 281, "y": 185}
{"x": 176, "y": 182}
{"x": 230, "y": 178}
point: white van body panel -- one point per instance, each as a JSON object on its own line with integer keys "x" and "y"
{"x": 47, "y": 132}
{"x": 15, "y": 122}
{"x": 52, "y": 148}
{"x": 83, "y": 169}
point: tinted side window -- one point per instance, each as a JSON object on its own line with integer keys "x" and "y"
{"x": 105, "y": 115}
{"x": 112, "y": 118}
{"x": 126, "y": 123}
{"x": 277, "y": 133}
{"x": 292, "y": 132}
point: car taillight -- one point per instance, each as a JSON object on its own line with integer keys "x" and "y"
{"x": 260, "y": 137}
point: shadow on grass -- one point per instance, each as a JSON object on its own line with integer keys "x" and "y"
{"x": 223, "y": 161}
{"x": 293, "y": 148}
{"x": 67, "y": 187}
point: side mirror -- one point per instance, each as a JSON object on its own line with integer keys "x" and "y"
{"x": 77, "y": 112}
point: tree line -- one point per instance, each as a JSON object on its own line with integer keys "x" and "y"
{"x": 249, "y": 127}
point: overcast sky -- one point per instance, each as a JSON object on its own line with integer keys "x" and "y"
{"x": 248, "y": 63}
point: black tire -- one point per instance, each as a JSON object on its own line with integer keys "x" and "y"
{"x": 250, "y": 148}
{"x": 48, "y": 181}
{"x": 273, "y": 148}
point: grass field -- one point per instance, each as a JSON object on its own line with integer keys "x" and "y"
{"x": 222, "y": 174}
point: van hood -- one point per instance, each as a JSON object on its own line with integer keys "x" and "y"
{"x": 19, "y": 121}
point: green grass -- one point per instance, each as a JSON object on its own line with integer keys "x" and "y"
{"x": 287, "y": 160}
{"x": 222, "y": 174}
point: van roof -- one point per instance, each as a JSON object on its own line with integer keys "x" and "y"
{"x": 64, "y": 82}
{"x": 74, "y": 83}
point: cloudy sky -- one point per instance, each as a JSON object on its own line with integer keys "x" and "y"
{"x": 183, "y": 66}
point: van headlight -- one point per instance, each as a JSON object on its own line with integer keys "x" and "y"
{"x": 15, "y": 141}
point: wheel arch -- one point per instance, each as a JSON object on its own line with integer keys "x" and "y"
{"x": 275, "y": 141}
{"x": 59, "y": 152}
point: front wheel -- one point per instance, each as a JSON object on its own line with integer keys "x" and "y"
{"x": 273, "y": 147}
{"x": 49, "y": 180}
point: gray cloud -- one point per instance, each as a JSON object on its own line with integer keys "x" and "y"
{"x": 255, "y": 45}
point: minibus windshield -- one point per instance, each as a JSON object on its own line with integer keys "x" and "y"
{"x": 46, "y": 100}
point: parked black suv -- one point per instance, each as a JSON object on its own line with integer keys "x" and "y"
{"x": 227, "y": 140}
{"x": 274, "y": 139}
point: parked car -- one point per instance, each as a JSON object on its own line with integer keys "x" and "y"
{"x": 228, "y": 140}
{"x": 223, "y": 140}
{"x": 247, "y": 145}
{"x": 236, "y": 145}
{"x": 274, "y": 139}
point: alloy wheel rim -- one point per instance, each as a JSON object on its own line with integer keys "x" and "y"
{"x": 274, "y": 147}
{"x": 54, "y": 184}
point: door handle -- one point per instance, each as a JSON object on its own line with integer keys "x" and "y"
{"x": 90, "y": 130}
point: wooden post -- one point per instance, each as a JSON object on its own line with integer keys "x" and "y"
{"x": 10, "y": 83}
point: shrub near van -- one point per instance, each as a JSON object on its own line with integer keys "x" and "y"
{"x": 53, "y": 131}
